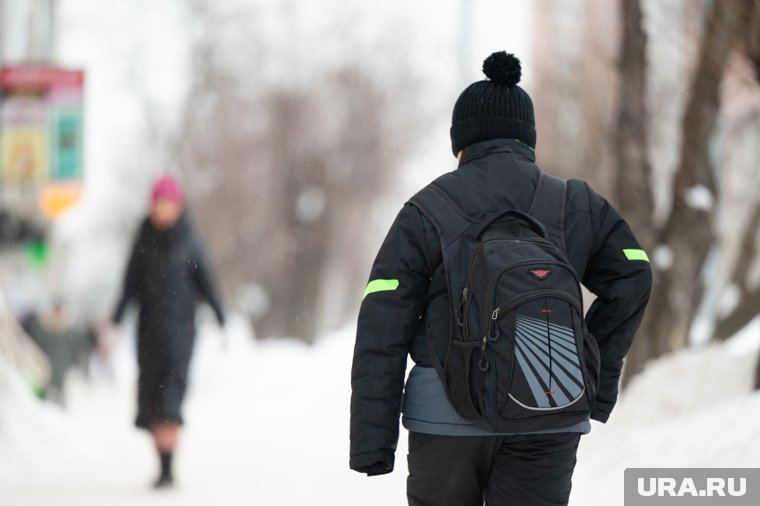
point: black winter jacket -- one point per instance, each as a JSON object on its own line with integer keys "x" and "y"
{"x": 492, "y": 176}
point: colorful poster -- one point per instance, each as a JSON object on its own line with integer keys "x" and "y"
{"x": 23, "y": 152}
{"x": 41, "y": 133}
{"x": 66, "y": 147}
{"x": 40, "y": 124}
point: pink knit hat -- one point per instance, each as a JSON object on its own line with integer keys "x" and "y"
{"x": 167, "y": 187}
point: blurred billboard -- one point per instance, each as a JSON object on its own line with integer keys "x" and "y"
{"x": 41, "y": 132}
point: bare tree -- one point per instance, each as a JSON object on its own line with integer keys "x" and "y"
{"x": 688, "y": 232}
{"x": 633, "y": 172}
{"x": 681, "y": 236}
{"x": 286, "y": 160}
{"x": 748, "y": 305}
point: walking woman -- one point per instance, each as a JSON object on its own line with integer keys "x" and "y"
{"x": 166, "y": 275}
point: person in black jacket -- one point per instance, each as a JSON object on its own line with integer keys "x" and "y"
{"x": 450, "y": 460}
{"x": 166, "y": 274}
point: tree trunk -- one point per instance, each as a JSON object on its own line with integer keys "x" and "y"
{"x": 633, "y": 189}
{"x": 688, "y": 232}
{"x": 749, "y": 299}
{"x": 745, "y": 312}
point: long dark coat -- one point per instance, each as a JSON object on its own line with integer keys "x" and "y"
{"x": 166, "y": 275}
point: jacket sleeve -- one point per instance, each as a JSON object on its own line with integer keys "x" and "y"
{"x": 394, "y": 300}
{"x": 205, "y": 283}
{"x": 618, "y": 273}
{"x": 131, "y": 283}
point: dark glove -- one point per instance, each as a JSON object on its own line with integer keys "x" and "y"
{"x": 376, "y": 469}
{"x": 375, "y": 463}
{"x": 600, "y": 415}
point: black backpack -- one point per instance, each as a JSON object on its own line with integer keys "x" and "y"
{"x": 519, "y": 357}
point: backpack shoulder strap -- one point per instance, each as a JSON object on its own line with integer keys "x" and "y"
{"x": 548, "y": 207}
{"x": 450, "y": 223}
{"x": 446, "y": 216}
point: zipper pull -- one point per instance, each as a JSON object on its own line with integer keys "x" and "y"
{"x": 493, "y": 329}
{"x": 483, "y": 362}
{"x": 460, "y": 310}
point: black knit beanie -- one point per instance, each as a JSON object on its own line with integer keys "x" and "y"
{"x": 495, "y": 108}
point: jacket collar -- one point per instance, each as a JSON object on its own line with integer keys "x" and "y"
{"x": 496, "y": 146}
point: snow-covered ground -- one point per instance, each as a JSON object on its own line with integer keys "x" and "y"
{"x": 694, "y": 408}
{"x": 268, "y": 425}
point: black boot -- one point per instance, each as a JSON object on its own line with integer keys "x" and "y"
{"x": 165, "y": 480}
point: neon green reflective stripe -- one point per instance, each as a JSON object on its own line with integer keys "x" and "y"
{"x": 521, "y": 142}
{"x": 380, "y": 285}
{"x": 636, "y": 254}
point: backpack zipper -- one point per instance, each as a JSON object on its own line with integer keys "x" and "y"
{"x": 511, "y": 303}
{"x": 467, "y": 300}
{"x": 492, "y": 282}
{"x": 491, "y": 288}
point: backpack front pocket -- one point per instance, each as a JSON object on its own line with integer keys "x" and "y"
{"x": 546, "y": 372}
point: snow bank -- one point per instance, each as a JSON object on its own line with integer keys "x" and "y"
{"x": 694, "y": 408}
{"x": 268, "y": 424}
{"x": 22, "y": 418}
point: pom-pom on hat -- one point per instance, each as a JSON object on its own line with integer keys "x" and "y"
{"x": 494, "y": 108}
{"x": 167, "y": 187}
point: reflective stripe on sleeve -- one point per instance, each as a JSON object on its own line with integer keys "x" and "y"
{"x": 380, "y": 285}
{"x": 636, "y": 254}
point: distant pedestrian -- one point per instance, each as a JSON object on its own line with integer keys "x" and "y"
{"x": 165, "y": 276}
{"x": 479, "y": 281}
{"x": 64, "y": 343}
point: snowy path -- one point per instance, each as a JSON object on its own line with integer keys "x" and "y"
{"x": 268, "y": 425}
